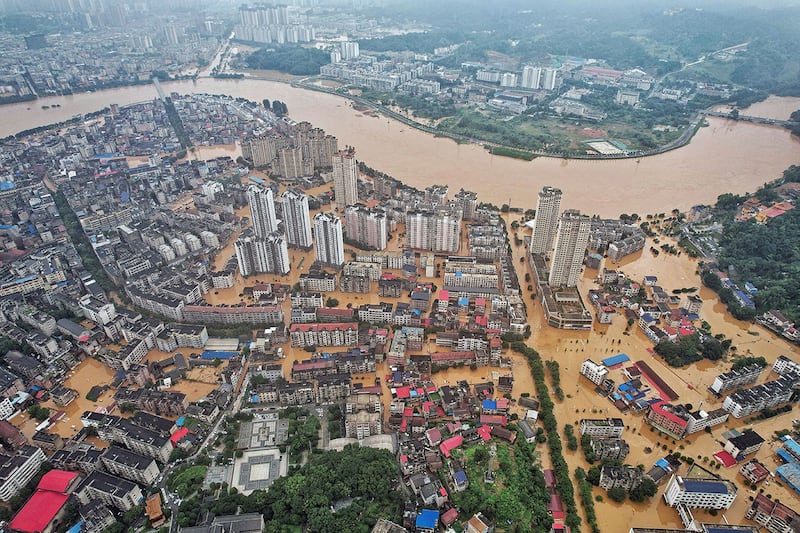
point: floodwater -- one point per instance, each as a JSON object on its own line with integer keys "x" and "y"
{"x": 725, "y": 156}
{"x": 570, "y": 349}
{"x": 86, "y": 375}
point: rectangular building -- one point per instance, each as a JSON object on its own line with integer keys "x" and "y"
{"x": 602, "y": 428}
{"x": 700, "y": 493}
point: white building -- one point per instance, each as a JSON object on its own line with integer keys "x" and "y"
{"x": 602, "y": 428}
{"x": 16, "y": 470}
{"x": 262, "y": 210}
{"x": 209, "y": 239}
{"x": 179, "y": 246}
{"x": 438, "y": 231}
{"x": 256, "y": 255}
{"x": 328, "y": 237}
{"x": 192, "y": 242}
{"x": 350, "y": 50}
{"x": 594, "y": 372}
{"x": 366, "y": 226}
{"x": 530, "y": 77}
{"x": 548, "y": 79}
{"x": 97, "y": 310}
{"x": 166, "y": 252}
{"x": 296, "y": 219}
{"x": 345, "y": 177}
{"x": 736, "y": 378}
{"x": 570, "y": 247}
{"x": 702, "y": 493}
{"x": 783, "y": 365}
{"x": 770, "y": 394}
{"x": 508, "y": 79}
{"x": 546, "y": 221}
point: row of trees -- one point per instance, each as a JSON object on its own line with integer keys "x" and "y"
{"x": 550, "y": 425}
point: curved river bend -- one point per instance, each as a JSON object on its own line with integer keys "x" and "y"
{"x": 726, "y": 156}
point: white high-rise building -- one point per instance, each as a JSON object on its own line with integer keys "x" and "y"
{"x": 328, "y": 239}
{"x": 296, "y": 219}
{"x": 546, "y": 221}
{"x": 439, "y": 231}
{"x": 262, "y": 210}
{"x": 548, "y": 82}
{"x": 366, "y": 226}
{"x": 530, "y": 77}
{"x": 262, "y": 255}
{"x": 350, "y": 50}
{"x": 508, "y": 79}
{"x": 209, "y": 239}
{"x": 571, "y": 240}
{"x": 345, "y": 178}
{"x": 179, "y": 246}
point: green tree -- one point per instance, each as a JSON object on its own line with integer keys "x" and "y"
{"x": 643, "y": 491}
{"x": 617, "y": 494}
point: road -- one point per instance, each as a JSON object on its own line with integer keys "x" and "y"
{"x": 233, "y": 407}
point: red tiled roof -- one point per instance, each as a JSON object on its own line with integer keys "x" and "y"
{"x": 178, "y": 435}
{"x": 450, "y": 444}
{"x": 659, "y": 408}
{"x": 485, "y": 433}
{"x": 499, "y": 420}
{"x": 725, "y": 458}
{"x": 39, "y": 511}
{"x": 323, "y": 327}
{"x": 57, "y": 480}
{"x": 450, "y": 516}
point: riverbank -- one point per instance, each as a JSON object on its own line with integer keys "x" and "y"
{"x": 502, "y": 149}
{"x": 725, "y": 157}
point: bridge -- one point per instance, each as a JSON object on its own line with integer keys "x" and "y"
{"x": 748, "y": 118}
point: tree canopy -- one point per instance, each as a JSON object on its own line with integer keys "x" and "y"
{"x": 292, "y": 59}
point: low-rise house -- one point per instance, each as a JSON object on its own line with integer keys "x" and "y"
{"x": 753, "y": 471}
{"x": 744, "y": 444}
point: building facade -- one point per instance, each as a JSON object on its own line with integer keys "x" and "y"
{"x": 345, "y": 177}
{"x": 296, "y": 219}
{"x": 570, "y": 247}
{"x": 546, "y": 221}
{"x": 329, "y": 240}
{"x": 262, "y": 210}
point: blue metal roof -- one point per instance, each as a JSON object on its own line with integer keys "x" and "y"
{"x": 711, "y": 487}
{"x": 663, "y": 463}
{"x": 489, "y": 404}
{"x": 792, "y": 446}
{"x": 616, "y": 359}
{"x": 76, "y": 528}
{"x": 783, "y": 454}
{"x": 460, "y": 477}
{"x": 213, "y": 354}
{"x": 427, "y": 518}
